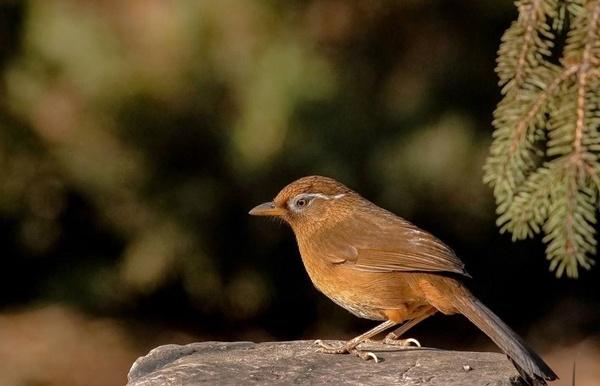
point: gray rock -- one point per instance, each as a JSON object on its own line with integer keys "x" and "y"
{"x": 284, "y": 363}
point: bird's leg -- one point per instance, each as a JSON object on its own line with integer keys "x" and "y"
{"x": 350, "y": 346}
{"x": 393, "y": 338}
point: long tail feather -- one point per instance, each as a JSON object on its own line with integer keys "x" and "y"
{"x": 531, "y": 367}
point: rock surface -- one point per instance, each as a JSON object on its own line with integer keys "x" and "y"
{"x": 284, "y": 363}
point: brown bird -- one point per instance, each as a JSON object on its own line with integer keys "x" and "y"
{"x": 381, "y": 267}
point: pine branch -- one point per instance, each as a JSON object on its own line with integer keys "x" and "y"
{"x": 557, "y": 106}
{"x": 531, "y": 15}
{"x": 525, "y": 43}
{"x": 520, "y": 114}
{"x": 512, "y": 152}
{"x": 569, "y": 230}
{"x": 571, "y": 239}
{"x": 529, "y": 210}
{"x": 582, "y": 74}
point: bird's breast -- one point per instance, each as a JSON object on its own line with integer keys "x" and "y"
{"x": 365, "y": 294}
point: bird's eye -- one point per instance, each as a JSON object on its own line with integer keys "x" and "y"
{"x": 300, "y": 202}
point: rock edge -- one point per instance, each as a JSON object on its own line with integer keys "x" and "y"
{"x": 283, "y": 363}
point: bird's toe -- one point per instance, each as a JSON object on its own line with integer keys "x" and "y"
{"x": 392, "y": 339}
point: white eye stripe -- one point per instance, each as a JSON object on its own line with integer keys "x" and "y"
{"x": 324, "y": 196}
{"x": 309, "y": 197}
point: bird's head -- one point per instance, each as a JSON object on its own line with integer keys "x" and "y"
{"x": 307, "y": 201}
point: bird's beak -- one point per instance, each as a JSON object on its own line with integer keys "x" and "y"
{"x": 266, "y": 209}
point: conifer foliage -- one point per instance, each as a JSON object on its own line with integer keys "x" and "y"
{"x": 543, "y": 164}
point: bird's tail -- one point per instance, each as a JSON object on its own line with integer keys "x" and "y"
{"x": 531, "y": 367}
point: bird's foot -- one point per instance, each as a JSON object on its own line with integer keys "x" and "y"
{"x": 365, "y": 355}
{"x": 345, "y": 349}
{"x": 330, "y": 349}
{"x": 394, "y": 340}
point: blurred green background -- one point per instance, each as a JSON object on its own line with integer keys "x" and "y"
{"x": 136, "y": 135}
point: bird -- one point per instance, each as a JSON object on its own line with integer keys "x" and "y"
{"x": 381, "y": 267}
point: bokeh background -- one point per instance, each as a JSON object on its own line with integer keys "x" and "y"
{"x": 136, "y": 135}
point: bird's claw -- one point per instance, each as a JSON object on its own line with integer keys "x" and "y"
{"x": 329, "y": 349}
{"x": 392, "y": 339}
{"x": 323, "y": 346}
{"x": 344, "y": 349}
{"x": 365, "y": 355}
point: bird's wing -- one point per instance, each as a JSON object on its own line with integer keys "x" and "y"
{"x": 387, "y": 243}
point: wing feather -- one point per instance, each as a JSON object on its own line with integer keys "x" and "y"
{"x": 387, "y": 243}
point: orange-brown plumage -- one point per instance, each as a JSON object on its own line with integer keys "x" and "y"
{"x": 381, "y": 267}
